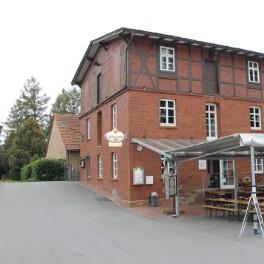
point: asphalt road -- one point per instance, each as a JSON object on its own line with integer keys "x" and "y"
{"x": 64, "y": 222}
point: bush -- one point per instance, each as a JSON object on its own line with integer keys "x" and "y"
{"x": 44, "y": 170}
{"x": 14, "y": 174}
{"x": 26, "y": 172}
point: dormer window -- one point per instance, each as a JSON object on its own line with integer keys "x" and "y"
{"x": 167, "y": 59}
{"x": 253, "y": 72}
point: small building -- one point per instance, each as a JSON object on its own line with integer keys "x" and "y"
{"x": 64, "y": 142}
{"x": 164, "y": 91}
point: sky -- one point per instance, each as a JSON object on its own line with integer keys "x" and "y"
{"x": 47, "y": 39}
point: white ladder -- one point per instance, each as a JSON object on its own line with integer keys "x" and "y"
{"x": 257, "y": 211}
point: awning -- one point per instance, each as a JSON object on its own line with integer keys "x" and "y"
{"x": 233, "y": 146}
{"x": 164, "y": 146}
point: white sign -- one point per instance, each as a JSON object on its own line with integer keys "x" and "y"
{"x": 114, "y": 144}
{"x": 202, "y": 164}
{"x": 114, "y": 136}
{"x": 149, "y": 179}
{"x": 138, "y": 176}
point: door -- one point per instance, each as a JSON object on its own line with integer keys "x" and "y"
{"x": 227, "y": 180}
{"x": 213, "y": 169}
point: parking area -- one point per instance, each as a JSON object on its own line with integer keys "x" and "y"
{"x": 65, "y": 222}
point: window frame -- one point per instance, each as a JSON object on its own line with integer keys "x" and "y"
{"x": 258, "y": 166}
{"x": 88, "y": 167}
{"x": 98, "y": 87}
{"x": 209, "y": 130}
{"x": 167, "y": 56}
{"x": 254, "y": 127}
{"x": 114, "y": 166}
{"x": 253, "y": 69}
{"x": 100, "y": 166}
{"x": 88, "y": 129}
{"x": 167, "y": 108}
{"x": 114, "y": 116}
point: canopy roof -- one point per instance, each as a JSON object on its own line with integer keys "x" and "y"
{"x": 233, "y": 146}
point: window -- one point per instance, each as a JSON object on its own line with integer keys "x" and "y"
{"x": 115, "y": 165}
{"x": 253, "y": 72}
{"x": 258, "y": 166}
{"x": 167, "y": 112}
{"x": 88, "y": 129}
{"x": 99, "y": 129}
{"x": 98, "y": 87}
{"x": 255, "y": 117}
{"x": 100, "y": 167}
{"x": 167, "y": 59}
{"x": 114, "y": 116}
{"x": 88, "y": 167}
{"x": 211, "y": 121}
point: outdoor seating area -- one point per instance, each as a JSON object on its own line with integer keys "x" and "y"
{"x": 222, "y": 203}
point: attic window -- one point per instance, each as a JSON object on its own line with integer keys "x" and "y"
{"x": 167, "y": 59}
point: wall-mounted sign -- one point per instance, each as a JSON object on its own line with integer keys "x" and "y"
{"x": 114, "y": 136}
{"x": 115, "y": 144}
{"x": 138, "y": 176}
{"x": 202, "y": 164}
{"x": 149, "y": 180}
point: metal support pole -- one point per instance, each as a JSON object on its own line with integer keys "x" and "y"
{"x": 254, "y": 188}
{"x": 236, "y": 184}
{"x": 177, "y": 196}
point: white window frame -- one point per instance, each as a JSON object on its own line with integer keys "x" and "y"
{"x": 167, "y": 109}
{"x": 114, "y": 116}
{"x": 208, "y": 118}
{"x": 258, "y": 166}
{"x": 115, "y": 165}
{"x": 165, "y": 54}
{"x": 88, "y": 129}
{"x": 253, "y": 72}
{"x": 253, "y": 117}
{"x": 100, "y": 166}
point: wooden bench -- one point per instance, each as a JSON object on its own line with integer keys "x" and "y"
{"x": 231, "y": 211}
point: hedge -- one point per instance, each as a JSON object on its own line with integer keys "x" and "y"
{"x": 44, "y": 170}
{"x": 26, "y": 171}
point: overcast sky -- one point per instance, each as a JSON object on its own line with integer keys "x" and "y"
{"x": 48, "y": 38}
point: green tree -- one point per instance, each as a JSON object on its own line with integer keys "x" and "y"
{"x": 31, "y": 103}
{"x": 27, "y": 144}
{"x": 3, "y": 161}
{"x": 68, "y": 101}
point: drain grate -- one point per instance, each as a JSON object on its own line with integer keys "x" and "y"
{"x": 102, "y": 199}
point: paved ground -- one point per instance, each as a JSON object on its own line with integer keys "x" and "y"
{"x": 64, "y": 222}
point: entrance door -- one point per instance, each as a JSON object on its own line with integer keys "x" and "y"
{"x": 221, "y": 174}
{"x": 213, "y": 173}
{"x": 227, "y": 174}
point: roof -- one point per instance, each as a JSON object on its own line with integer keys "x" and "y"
{"x": 128, "y": 32}
{"x": 69, "y": 127}
{"x": 233, "y": 146}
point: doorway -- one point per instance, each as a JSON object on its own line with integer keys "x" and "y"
{"x": 221, "y": 174}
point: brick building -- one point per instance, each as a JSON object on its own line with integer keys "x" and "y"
{"x": 156, "y": 86}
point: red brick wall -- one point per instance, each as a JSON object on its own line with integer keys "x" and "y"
{"x": 90, "y": 148}
{"x": 112, "y": 67}
{"x": 138, "y": 117}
